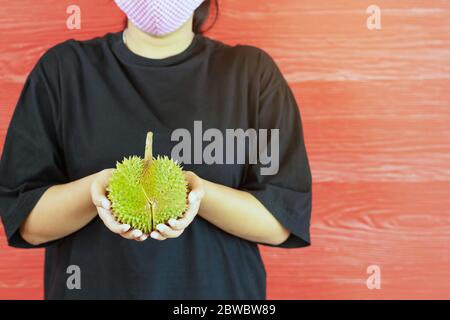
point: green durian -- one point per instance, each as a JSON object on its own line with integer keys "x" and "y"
{"x": 147, "y": 192}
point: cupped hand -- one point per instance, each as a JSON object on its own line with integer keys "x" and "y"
{"x": 175, "y": 227}
{"x": 103, "y": 205}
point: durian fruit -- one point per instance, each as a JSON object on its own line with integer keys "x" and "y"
{"x": 147, "y": 192}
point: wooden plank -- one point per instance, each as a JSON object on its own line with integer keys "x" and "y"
{"x": 402, "y": 227}
{"x": 377, "y": 130}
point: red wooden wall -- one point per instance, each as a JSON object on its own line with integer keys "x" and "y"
{"x": 376, "y": 114}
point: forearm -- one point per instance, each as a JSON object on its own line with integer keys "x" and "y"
{"x": 62, "y": 210}
{"x": 241, "y": 214}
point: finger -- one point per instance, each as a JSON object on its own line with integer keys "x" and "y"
{"x": 110, "y": 222}
{"x": 195, "y": 185}
{"x": 98, "y": 188}
{"x": 187, "y": 218}
{"x": 181, "y": 223}
{"x": 156, "y": 235}
{"x": 134, "y": 234}
{"x": 177, "y": 225}
{"x": 168, "y": 232}
{"x": 196, "y": 194}
{"x": 142, "y": 238}
{"x": 98, "y": 195}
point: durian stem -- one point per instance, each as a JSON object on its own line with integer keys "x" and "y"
{"x": 148, "y": 157}
{"x": 149, "y": 148}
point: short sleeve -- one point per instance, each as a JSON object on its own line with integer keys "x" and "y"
{"x": 31, "y": 160}
{"x": 287, "y": 190}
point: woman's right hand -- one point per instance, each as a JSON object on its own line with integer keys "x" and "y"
{"x": 103, "y": 205}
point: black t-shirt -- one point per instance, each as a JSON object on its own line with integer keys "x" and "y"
{"x": 88, "y": 104}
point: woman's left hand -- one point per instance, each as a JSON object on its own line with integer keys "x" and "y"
{"x": 176, "y": 227}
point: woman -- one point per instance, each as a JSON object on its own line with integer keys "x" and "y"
{"x": 88, "y": 104}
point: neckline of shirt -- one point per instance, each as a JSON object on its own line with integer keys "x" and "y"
{"x": 127, "y": 55}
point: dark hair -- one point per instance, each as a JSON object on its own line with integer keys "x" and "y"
{"x": 201, "y": 14}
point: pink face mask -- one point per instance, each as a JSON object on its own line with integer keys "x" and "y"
{"x": 158, "y": 17}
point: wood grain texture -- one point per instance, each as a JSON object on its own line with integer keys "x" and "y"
{"x": 376, "y": 113}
